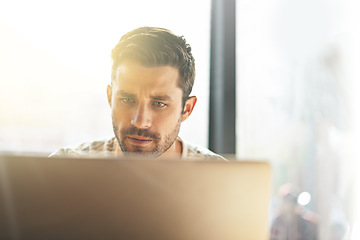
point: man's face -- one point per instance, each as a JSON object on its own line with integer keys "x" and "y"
{"x": 146, "y": 106}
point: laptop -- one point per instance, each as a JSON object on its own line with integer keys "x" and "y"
{"x": 107, "y": 198}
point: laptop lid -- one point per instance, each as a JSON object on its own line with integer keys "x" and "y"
{"x": 42, "y": 198}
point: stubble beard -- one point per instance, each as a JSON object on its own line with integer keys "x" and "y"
{"x": 161, "y": 145}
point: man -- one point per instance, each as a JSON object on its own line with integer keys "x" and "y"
{"x": 153, "y": 74}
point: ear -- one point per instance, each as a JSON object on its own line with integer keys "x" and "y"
{"x": 109, "y": 94}
{"x": 189, "y": 107}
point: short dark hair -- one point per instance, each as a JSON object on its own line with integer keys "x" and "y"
{"x": 152, "y": 47}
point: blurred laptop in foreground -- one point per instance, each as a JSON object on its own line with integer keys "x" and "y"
{"x": 65, "y": 198}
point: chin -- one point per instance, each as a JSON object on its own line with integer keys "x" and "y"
{"x": 150, "y": 154}
{"x": 138, "y": 150}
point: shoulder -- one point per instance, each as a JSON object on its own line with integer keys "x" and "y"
{"x": 198, "y": 152}
{"x": 100, "y": 147}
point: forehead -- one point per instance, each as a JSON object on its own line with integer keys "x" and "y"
{"x": 134, "y": 76}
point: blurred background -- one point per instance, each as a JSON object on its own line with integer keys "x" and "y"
{"x": 55, "y": 66}
{"x": 297, "y": 84}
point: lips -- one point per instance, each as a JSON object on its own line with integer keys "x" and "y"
{"x": 140, "y": 141}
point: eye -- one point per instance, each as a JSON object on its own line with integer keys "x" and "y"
{"x": 127, "y": 100}
{"x": 159, "y": 104}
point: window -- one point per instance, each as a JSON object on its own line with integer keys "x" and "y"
{"x": 297, "y": 102}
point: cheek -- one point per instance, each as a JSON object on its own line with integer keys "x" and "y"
{"x": 166, "y": 120}
{"x": 119, "y": 116}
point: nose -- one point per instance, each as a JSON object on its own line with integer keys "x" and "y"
{"x": 142, "y": 117}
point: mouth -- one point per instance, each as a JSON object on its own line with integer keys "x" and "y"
{"x": 139, "y": 141}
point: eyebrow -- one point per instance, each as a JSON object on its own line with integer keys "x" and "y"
{"x": 161, "y": 97}
{"x": 126, "y": 94}
{"x": 165, "y": 97}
